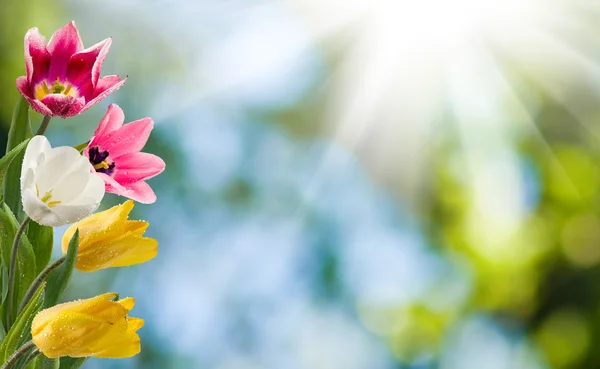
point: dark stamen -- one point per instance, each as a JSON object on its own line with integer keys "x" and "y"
{"x": 97, "y": 158}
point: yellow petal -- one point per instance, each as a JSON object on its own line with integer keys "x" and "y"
{"x": 100, "y": 226}
{"x": 46, "y": 316}
{"x": 127, "y": 250}
{"x": 145, "y": 249}
{"x": 136, "y": 227}
{"x": 111, "y": 311}
{"x": 117, "y": 334}
{"x": 127, "y": 303}
{"x": 96, "y": 327}
{"x": 71, "y": 334}
{"x": 134, "y": 324}
{"x": 126, "y": 345}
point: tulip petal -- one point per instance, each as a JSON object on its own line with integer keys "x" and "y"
{"x": 93, "y": 229}
{"x": 59, "y": 163}
{"x": 112, "y": 120}
{"x": 72, "y": 334}
{"x": 109, "y": 310}
{"x": 23, "y": 87}
{"x": 128, "y": 303}
{"x": 58, "y": 185}
{"x": 64, "y": 106}
{"x": 145, "y": 249}
{"x": 104, "y": 87}
{"x": 71, "y": 186}
{"x": 134, "y": 324}
{"x": 131, "y": 137}
{"x": 35, "y": 153}
{"x": 38, "y": 211}
{"x": 136, "y": 227}
{"x": 71, "y": 213}
{"x": 93, "y": 192}
{"x": 137, "y": 166}
{"x": 83, "y": 70}
{"x": 28, "y": 181}
{"x": 126, "y": 250}
{"x": 45, "y": 316}
{"x": 112, "y": 186}
{"x": 87, "y": 202}
{"x": 37, "y": 57}
{"x": 140, "y": 192}
{"x": 126, "y": 345}
{"x": 62, "y": 45}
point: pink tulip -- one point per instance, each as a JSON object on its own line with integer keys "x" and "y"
{"x": 63, "y": 79}
{"x": 114, "y": 152}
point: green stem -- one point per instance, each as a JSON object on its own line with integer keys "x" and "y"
{"x": 44, "y": 125}
{"x": 12, "y": 271}
{"x": 37, "y": 282}
{"x": 17, "y": 355}
{"x": 32, "y": 355}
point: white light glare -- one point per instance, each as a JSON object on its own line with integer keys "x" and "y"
{"x": 439, "y": 25}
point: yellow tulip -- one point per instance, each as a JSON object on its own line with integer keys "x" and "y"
{"x": 96, "y": 327}
{"x": 107, "y": 239}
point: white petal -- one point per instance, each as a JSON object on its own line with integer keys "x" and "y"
{"x": 34, "y": 153}
{"x": 74, "y": 213}
{"x": 71, "y": 187}
{"x": 60, "y": 162}
{"x": 92, "y": 193}
{"x": 65, "y": 172}
{"x": 27, "y": 180}
{"x": 38, "y": 211}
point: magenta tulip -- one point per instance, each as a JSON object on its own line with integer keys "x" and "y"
{"x": 63, "y": 79}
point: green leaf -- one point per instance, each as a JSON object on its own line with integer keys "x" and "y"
{"x": 20, "y": 127}
{"x": 58, "y": 279}
{"x": 42, "y": 362}
{"x": 2, "y": 333}
{"x": 20, "y": 332}
{"x": 41, "y": 239}
{"x": 4, "y": 281}
{"x": 67, "y": 362}
{"x": 81, "y": 146}
{"x": 8, "y": 158}
{"x": 26, "y": 263}
{"x": 20, "y": 130}
{"x": 26, "y": 269}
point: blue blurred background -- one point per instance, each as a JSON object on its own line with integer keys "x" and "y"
{"x": 352, "y": 184}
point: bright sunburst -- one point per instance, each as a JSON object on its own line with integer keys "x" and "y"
{"x": 410, "y": 62}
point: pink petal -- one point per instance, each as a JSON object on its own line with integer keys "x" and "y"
{"x": 63, "y": 44}
{"x": 104, "y": 87}
{"x": 140, "y": 192}
{"x": 111, "y": 121}
{"x": 84, "y": 67}
{"x": 37, "y": 58}
{"x": 111, "y": 184}
{"x": 76, "y": 107}
{"x": 99, "y": 61}
{"x": 63, "y": 105}
{"x": 23, "y": 87}
{"x": 137, "y": 166}
{"x": 131, "y": 137}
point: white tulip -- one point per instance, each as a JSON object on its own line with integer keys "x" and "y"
{"x": 58, "y": 186}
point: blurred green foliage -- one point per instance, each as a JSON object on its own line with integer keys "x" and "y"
{"x": 16, "y": 18}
